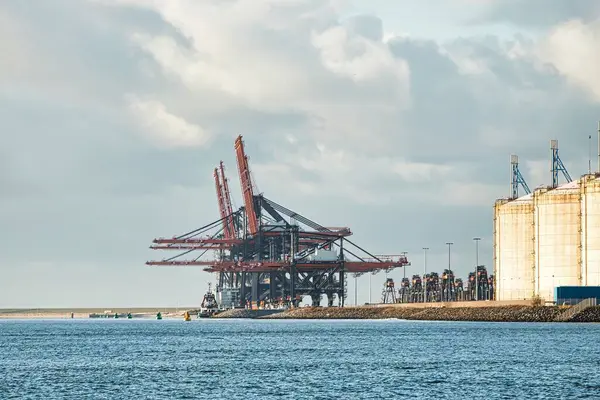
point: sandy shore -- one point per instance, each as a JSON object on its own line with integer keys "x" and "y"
{"x": 79, "y": 313}
{"x": 497, "y": 313}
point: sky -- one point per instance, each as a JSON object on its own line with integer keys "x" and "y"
{"x": 396, "y": 119}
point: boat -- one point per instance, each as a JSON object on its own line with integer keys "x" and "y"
{"x": 209, "y": 304}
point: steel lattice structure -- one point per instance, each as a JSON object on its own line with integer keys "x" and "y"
{"x": 266, "y": 252}
{"x": 447, "y": 288}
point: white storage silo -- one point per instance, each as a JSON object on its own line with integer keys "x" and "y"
{"x": 514, "y": 248}
{"x": 590, "y": 230}
{"x": 557, "y": 238}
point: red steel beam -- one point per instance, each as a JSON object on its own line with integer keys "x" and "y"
{"x": 227, "y": 201}
{"x": 192, "y": 247}
{"x": 214, "y": 246}
{"x": 197, "y": 241}
{"x": 246, "y": 183}
{"x": 313, "y": 233}
{"x": 266, "y": 266}
{"x": 221, "y": 202}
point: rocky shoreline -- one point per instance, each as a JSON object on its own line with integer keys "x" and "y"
{"x": 487, "y": 314}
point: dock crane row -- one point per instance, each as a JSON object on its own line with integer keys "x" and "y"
{"x": 269, "y": 254}
{"x": 435, "y": 288}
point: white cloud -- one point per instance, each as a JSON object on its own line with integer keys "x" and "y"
{"x": 572, "y": 47}
{"x": 469, "y": 193}
{"x": 351, "y": 176}
{"x": 163, "y": 128}
{"x": 337, "y": 115}
{"x": 239, "y": 48}
{"x": 420, "y": 172}
{"x": 354, "y": 91}
{"x": 16, "y": 52}
{"x": 352, "y": 179}
{"x": 283, "y": 57}
{"x": 358, "y": 58}
{"x": 467, "y": 63}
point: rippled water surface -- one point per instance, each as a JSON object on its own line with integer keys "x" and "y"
{"x": 250, "y": 359}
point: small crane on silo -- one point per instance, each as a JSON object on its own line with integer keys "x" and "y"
{"x": 517, "y": 178}
{"x": 557, "y": 165}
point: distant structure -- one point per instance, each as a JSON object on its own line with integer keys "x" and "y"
{"x": 388, "y": 295}
{"x": 557, "y": 165}
{"x": 548, "y": 238}
{"x": 268, "y": 255}
{"x": 517, "y": 178}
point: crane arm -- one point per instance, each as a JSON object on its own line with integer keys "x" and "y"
{"x": 221, "y": 202}
{"x": 227, "y": 201}
{"x": 246, "y": 183}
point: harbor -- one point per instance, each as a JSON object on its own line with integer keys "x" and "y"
{"x": 267, "y": 256}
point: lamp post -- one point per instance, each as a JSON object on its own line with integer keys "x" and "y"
{"x": 424, "y": 274}
{"x": 355, "y": 291}
{"x": 370, "y": 301}
{"x": 476, "y": 239}
{"x": 449, "y": 244}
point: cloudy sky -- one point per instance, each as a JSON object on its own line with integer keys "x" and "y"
{"x": 395, "y": 118}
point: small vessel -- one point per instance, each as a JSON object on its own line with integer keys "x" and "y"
{"x": 209, "y": 304}
{"x": 186, "y": 316}
{"x": 159, "y": 315}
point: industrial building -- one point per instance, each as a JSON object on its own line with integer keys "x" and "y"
{"x": 548, "y": 238}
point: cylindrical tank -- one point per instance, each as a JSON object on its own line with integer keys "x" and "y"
{"x": 514, "y": 248}
{"x": 557, "y": 238}
{"x": 590, "y": 230}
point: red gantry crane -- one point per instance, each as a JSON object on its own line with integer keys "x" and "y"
{"x": 227, "y": 200}
{"x": 269, "y": 253}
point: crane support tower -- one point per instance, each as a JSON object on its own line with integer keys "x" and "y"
{"x": 388, "y": 295}
{"x": 266, "y": 253}
{"x": 557, "y": 165}
{"x": 517, "y": 178}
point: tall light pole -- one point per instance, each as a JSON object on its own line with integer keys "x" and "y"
{"x": 424, "y": 274}
{"x": 449, "y": 244}
{"x": 355, "y": 291}
{"x": 476, "y": 239}
{"x": 370, "y": 275}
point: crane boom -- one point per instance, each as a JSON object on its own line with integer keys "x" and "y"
{"x": 246, "y": 183}
{"x": 269, "y": 266}
{"x": 221, "y": 202}
{"x": 227, "y": 202}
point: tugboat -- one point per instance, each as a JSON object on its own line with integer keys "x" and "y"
{"x": 209, "y": 304}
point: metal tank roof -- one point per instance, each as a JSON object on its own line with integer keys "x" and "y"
{"x": 568, "y": 186}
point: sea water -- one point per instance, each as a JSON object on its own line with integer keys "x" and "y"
{"x": 327, "y": 359}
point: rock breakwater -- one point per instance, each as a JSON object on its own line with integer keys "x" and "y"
{"x": 488, "y": 314}
{"x": 244, "y": 313}
{"x": 591, "y": 314}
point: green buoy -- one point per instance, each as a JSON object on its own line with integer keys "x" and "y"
{"x": 129, "y": 316}
{"x": 159, "y": 315}
{"x": 116, "y": 315}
